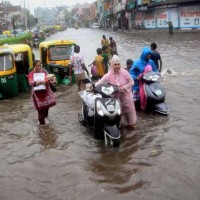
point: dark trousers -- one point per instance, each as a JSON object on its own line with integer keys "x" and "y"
{"x": 42, "y": 114}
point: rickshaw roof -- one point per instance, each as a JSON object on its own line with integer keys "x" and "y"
{"x": 56, "y": 42}
{"x": 16, "y": 48}
{"x": 6, "y": 50}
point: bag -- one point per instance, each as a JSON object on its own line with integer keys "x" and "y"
{"x": 53, "y": 87}
{"x": 44, "y": 99}
{"x": 94, "y": 70}
{"x": 53, "y": 82}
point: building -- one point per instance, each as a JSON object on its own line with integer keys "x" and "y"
{"x": 148, "y": 14}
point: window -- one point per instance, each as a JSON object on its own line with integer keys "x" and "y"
{"x": 61, "y": 52}
{"x": 6, "y": 62}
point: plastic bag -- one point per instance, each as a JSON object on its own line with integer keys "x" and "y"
{"x": 94, "y": 70}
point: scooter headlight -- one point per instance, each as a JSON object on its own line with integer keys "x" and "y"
{"x": 55, "y": 70}
{"x": 118, "y": 108}
{"x": 99, "y": 109}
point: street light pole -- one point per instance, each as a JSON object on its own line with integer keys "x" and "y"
{"x": 13, "y": 23}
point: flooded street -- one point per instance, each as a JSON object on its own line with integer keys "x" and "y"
{"x": 159, "y": 160}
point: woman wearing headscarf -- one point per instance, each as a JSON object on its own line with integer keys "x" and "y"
{"x": 120, "y": 77}
{"x": 138, "y": 68}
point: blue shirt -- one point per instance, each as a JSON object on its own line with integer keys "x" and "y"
{"x": 155, "y": 56}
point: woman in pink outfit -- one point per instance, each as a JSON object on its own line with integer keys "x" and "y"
{"x": 120, "y": 77}
{"x": 143, "y": 99}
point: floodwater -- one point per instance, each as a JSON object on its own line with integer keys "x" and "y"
{"x": 159, "y": 160}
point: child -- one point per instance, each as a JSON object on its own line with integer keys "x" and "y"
{"x": 99, "y": 63}
{"x": 129, "y": 63}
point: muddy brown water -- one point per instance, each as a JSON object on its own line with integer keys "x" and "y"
{"x": 160, "y": 159}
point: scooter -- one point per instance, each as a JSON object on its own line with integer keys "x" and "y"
{"x": 101, "y": 112}
{"x": 154, "y": 94}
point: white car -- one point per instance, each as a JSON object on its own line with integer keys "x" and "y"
{"x": 95, "y": 26}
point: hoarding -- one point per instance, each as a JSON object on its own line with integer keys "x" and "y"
{"x": 162, "y": 18}
{"x": 190, "y": 17}
{"x": 150, "y": 20}
{"x": 139, "y": 18}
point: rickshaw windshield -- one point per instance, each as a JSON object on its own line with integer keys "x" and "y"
{"x": 6, "y": 62}
{"x": 61, "y": 52}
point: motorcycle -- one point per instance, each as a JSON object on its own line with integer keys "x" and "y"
{"x": 153, "y": 93}
{"x": 36, "y": 42}
{"x": 101, "y": 112}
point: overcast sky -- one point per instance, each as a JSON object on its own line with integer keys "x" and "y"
{"x": 31, "y": 4}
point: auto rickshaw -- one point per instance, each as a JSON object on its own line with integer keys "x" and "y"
{"x": 15, "y": 63}
{"x": 7, "y": 33}
{"x": 55, "y": 57}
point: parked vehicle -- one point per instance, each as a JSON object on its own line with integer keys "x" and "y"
{"x": 7, "y": 33}
{"x": 95, "y": 26}
{"x": 153, "y": 93}
{"x": 102, "y": 112}
{"x": 15, "y": 63}
{"x": 2, "y": 37}
{"x": 55, "y": 57}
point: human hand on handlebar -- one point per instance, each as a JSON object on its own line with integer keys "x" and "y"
{"x": 121, "y": 89}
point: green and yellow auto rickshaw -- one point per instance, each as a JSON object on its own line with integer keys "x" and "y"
{"x": 55, "y": 57}
{"x": 15, "y": 63}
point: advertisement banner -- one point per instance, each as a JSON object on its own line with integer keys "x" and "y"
{"x": 139, "y": 18}
{"x": 190, "y": 17}
{"x": 150, "y": 20}
{"x": 162, "y": 18}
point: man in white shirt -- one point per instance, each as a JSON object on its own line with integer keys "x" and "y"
{"x": 78, "y": 66}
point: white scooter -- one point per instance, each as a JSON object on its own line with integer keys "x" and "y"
{"x": 101, "y": 112}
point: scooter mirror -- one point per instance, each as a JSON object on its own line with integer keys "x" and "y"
{"x": 86, "y": 80}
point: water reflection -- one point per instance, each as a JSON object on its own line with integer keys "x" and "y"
{"x": 121, "y": 170}
{"x": 154, "y": 160}
{"x": 47, "y": 135}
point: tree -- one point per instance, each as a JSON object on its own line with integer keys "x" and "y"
{"x": 68, "y": 16}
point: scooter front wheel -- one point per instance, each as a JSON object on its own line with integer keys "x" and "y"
{"x": 116, "y": 142}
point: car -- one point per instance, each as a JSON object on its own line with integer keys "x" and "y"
{"x": 21, "y": 33}
{"x": 95, "y": 26}
{"x": 3, "y": 37}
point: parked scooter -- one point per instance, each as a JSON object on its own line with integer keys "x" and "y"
{"x": 101, "y": 112}
{"x": 153, "y": 92}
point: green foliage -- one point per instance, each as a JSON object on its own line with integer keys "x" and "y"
{"x": 16, "y": 40}
{"x": 68, "y": 16}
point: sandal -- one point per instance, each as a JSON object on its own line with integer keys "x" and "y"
{"x": 132, "y": 126}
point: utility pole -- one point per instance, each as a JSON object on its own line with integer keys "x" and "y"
{"x": 25, "y": 15}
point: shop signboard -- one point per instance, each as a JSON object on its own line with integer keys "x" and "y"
{"x": 139, "y": 2}
{"x": 150, "y": 20}
{"x": 145, "y": 1}
{"x": 162, "y": 18}
{"x": 139, "y": 18}
{"x": 190, "y": 17}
